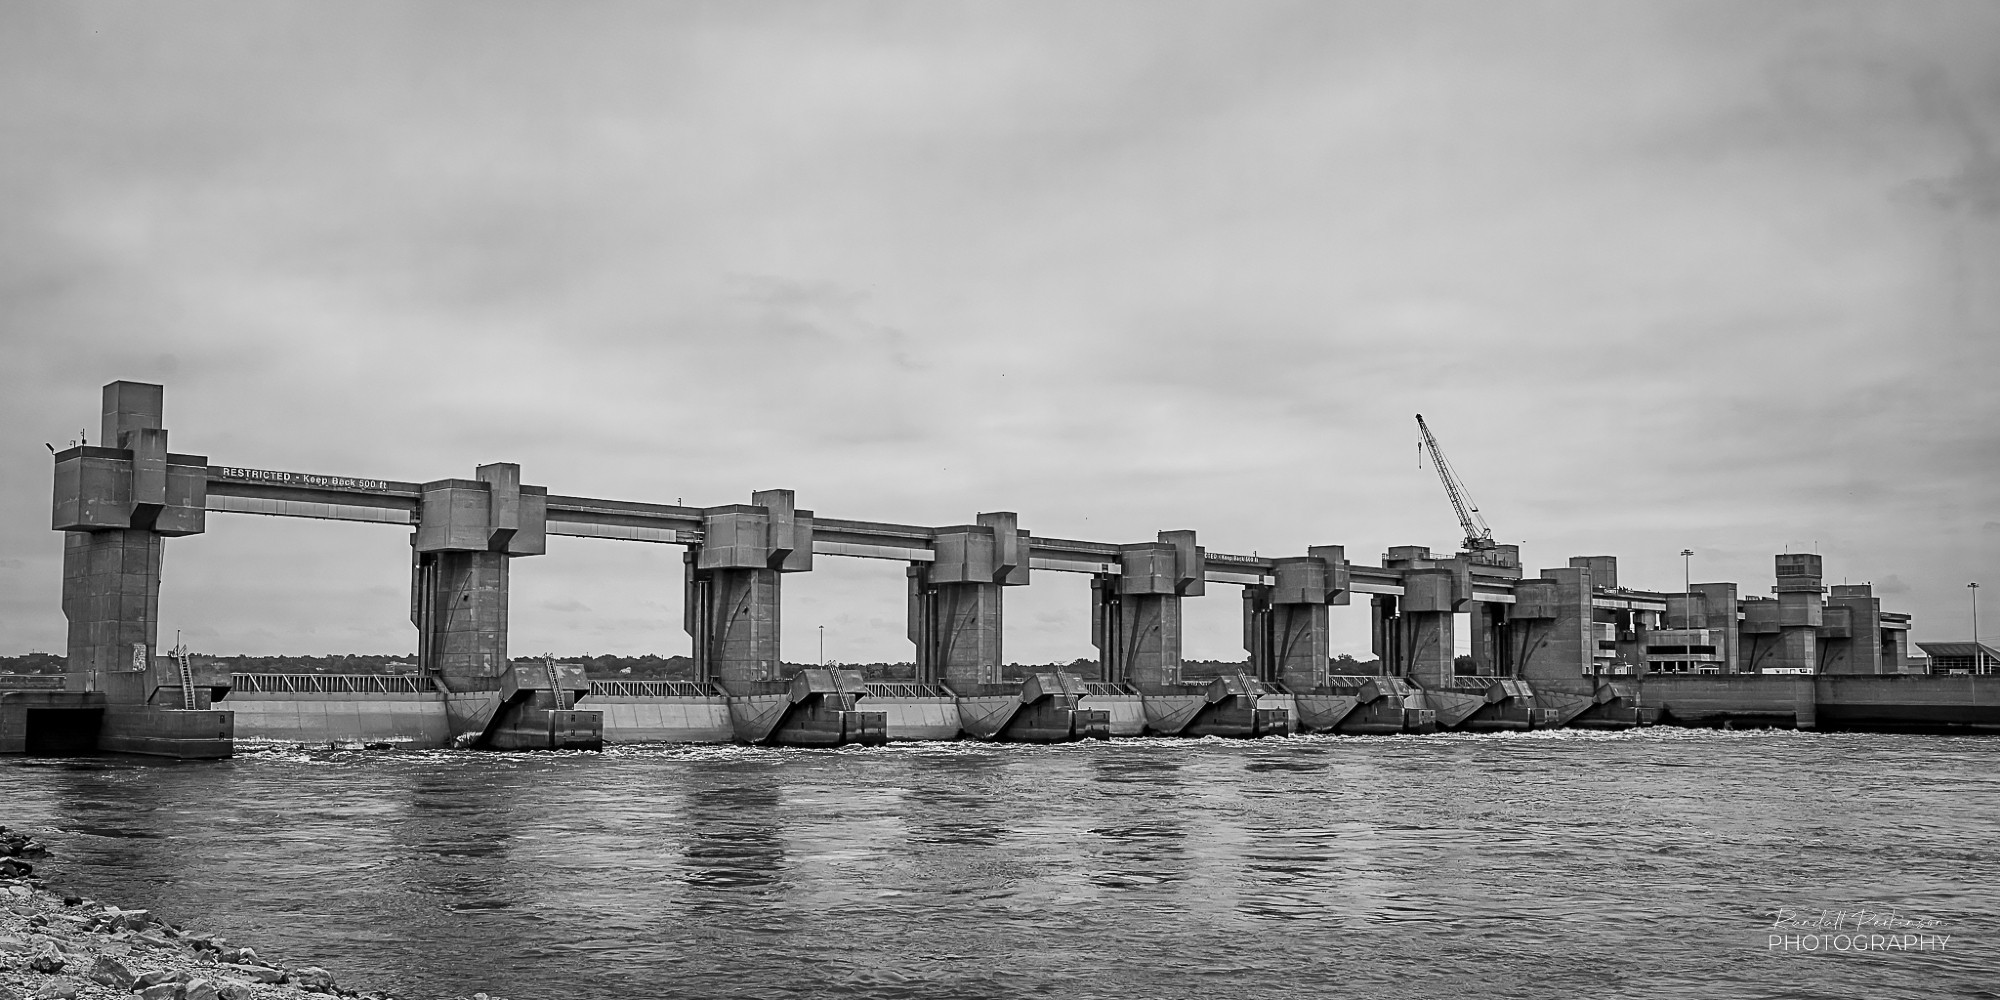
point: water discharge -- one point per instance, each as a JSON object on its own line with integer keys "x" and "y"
{"x": 1548, "y": 864}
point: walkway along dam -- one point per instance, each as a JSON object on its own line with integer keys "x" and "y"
{"x": 1566, "y": 647}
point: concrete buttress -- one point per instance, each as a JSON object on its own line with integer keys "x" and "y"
{"x": 734, "y": 586}
{"x": 1286, "y": 624}
{"x": 467, "y": 531}
{"x": 117, "y": 502}
{"x": 1136, "y": 617}
{"x": 955, "y": 600}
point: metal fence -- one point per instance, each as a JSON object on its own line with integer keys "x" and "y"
{"x": 1108, "y": 688}
{"x": 651, "y": 689}
{"x": 905, "y": 689}
{"x": 331, "y": 684}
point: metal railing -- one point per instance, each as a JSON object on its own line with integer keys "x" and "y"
{"x": 905, "y": 689}
{"x": 651, "y": 689}
{"x": 331, "y": 684}
{"x": 1107, "y": 688}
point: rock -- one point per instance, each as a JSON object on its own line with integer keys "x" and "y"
{"x": 15, "y": 868}
{"x": 152, "y": 939}
{"x": 246, "y": 956}
{"x": 11, "y": 945}
{"x": 258, "y": 973}
{"x": 7, "y": 993}
{"x": 314, "y": 979}
{"x": 233, "y": 990}
{"x": 109, "y": 971}
{"x": 47, "y": 958}
{"x": 61, "y": 989}
{"x": 155, "y": 978}
{"x": 201, "y": 989}
{"x": 37, "y": 920}
{"x": 161, "y": 991}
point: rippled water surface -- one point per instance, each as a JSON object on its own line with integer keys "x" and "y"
{"x": 1539, "y": 865}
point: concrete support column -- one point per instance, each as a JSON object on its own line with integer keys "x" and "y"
{"x": 732, "y": 609}
{"x": 1716, "y": 609}
{"x": 1895, "y": 650}
{"x": 1430, "y": 599}
{"x": 1385, "y": 633}
{"x": 1801, "y": 607}
{"x": 467, "y": 531}
{"x": 117, "y": 502}
{"x": 955, "y": 600}
{"x": 1136, "y": 619}
{"x": 1550, "y": 625}
{"x": 1861, "y": 646}
{"x": 1301, "y": 646}
{"x": 1428, "y": 637}
{"x": 460, "y": 611}
{"x": 1286, "y": 625}
{"x": 1146, "y": 641}
{"x": 733, "y": 617}
{"x": 1491, "y": 647}
{"x": 111, "y": 596}
{"x": 1259, "y": 640}
{"x": 956, "y": 628}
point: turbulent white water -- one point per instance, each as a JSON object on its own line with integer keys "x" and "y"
{"x": 1658, "y": 863}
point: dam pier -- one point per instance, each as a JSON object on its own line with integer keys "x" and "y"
{"x": 1568, "y": 646}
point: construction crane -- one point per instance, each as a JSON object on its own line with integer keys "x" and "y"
{"x": 1478, "y": 537}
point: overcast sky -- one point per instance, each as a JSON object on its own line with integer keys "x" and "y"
{"x": 1661, "y": 276}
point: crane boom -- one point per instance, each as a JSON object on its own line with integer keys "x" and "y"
{"x": 1478, "y": 537}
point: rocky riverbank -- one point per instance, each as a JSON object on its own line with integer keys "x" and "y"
{"x": 55, "y": 946}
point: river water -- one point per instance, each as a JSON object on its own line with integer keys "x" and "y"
{"x": 1556, "y": 864}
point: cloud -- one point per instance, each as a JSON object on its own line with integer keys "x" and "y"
{"x": 1660, "y": 276}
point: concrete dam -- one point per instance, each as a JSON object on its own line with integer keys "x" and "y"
{"x": 1567, "y": 646}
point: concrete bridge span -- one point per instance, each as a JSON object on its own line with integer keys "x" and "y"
{"x": 1539, "y": 643}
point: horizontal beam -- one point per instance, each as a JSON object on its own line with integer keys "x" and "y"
{"x": 1065, "y": 563}
{"x": 584, "y": 510}
{"x": 623, "y": 532}
{"x": 864, "y": 551}
{"x": 339, "y": 498}
{"x": 308, "y": 508}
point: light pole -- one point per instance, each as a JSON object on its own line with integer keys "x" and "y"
{"x": 822, "y": 645}
{"x": 1976, "y": 658}
{"x": 1687, "y": 586}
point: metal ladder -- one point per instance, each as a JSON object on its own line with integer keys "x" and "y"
{"x": 187, "y": 675}
{"x": 555, "y": 695}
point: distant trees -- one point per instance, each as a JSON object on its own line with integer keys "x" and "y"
{"x": 652, "y": 666}
{"x": 33, "y": 663}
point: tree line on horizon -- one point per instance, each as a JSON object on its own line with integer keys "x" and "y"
{"x": 649, "y": 666}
